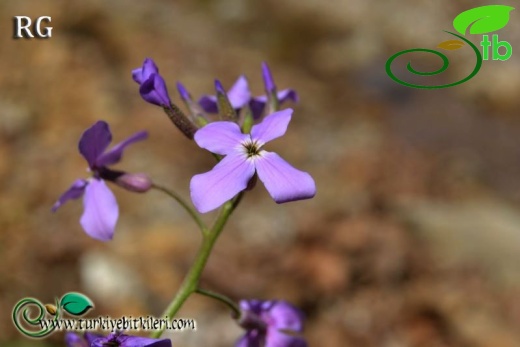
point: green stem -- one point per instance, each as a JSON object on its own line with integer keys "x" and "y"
{"x": 184, "y": 204}
{"x": 222, "y": 298}
{"x": 191, "y": 281}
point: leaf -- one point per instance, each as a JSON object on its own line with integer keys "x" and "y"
{"x": 483, "y": 19}
{"x": 451, "y": 45}
{"x": 75, "y": 303}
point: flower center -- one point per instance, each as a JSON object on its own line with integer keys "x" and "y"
{"x": 252, "y": 148}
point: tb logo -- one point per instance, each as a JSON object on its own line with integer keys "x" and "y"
{"x": 495, "y": 44}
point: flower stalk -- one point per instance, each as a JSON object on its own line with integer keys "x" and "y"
{"x": 191, "y": 281}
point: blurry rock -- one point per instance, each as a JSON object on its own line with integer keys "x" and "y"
{"x": 484, "y": 232}
{"x": 110, "y": 281}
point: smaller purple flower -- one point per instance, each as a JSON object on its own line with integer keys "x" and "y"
{"x": 270, "y": 324}
{"x": 245, "y": 157}
{"x": 118, "y": 339}
{"x": 100, "y": 207}
{"x": 258, "y": 103}
{"x": 239, "y": 95}
{"x": 76, "y": 340}
{"x": 152, "y": 85}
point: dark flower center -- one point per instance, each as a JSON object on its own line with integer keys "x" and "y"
{"x": 252, "y": 148}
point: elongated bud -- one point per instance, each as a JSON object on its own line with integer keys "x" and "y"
{"x": 268, "y": 79}
{"x": 181, "y": 121}
{"x": 196, "y": 112}
{"x": 185, "y": 96}
{"x": 246, "y": 119}
{"x": 273, "y": 104}
{"x": 225, "y": 110}
{"x": 134, "y": 182}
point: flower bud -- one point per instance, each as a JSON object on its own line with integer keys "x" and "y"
{"x": 137, "y": 182}
{"x": 225, "y": 109}
{"x": 270, "y": 87}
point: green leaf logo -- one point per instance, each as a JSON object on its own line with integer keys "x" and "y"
{"x": 482, "y": 20}
{"x": 75, "y": 303}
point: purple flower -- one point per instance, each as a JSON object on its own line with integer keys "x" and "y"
{"x": 118, "y": 339}
{"x": 100, "y": 207}
{"x": 258, "y": 103}
{"x": 152, "y": 86}
{"x": 76, "y": 340}
{"x": 244, "y": 157}
{"x": 239, "y": 95}
{"x": 270, "y": 324}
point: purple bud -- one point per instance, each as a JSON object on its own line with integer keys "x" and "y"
{"x": 268, "y": 78}
{"x": 137, "y": 182}
{"x": 219, "y": 88}
{"x": 183, "y": 92}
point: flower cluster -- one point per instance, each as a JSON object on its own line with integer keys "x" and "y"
{"x": 243, "y": 149}
{"x": 245, "y": 125}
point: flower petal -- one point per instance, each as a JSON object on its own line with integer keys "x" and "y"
{"x": 284, "y": 316}
{"x": 283, "y": 182}
{"x": 75, "y": 191}
{"x": 287, "y": 94}
{"x": 100, "y": 211}
{"x": 136, "y": 341}
{"x": 209, "y": 103}
{"x": 154, "y": 91}
{"x": 230, "y": 176}
{"x": 141, "y": 74}
{"x": 114, "y": 155}
{"x": 90, "y": 337}
{"x": 257, "y": 106}
{"x": 220, "y": 137}
{"x": 75, "y": 340}
{"x": 94, "y": 141}
{"x": 250, "y": 339}
{"x": 278, "y": 339}
{"x": 272, "y": 127}
{"x": 239, "y": 94}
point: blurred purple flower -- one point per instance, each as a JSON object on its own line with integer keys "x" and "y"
{"x": 118, "y": 339}
{"x": 100, "y": 207}
{"x": 258, "y": 103}
{"x": 244, "y": 158}
{"x": 270, "y": 324}
{"x": 239, "y": 95}
{"x": 76, "y": 340}
{"x": 152, "y": 86}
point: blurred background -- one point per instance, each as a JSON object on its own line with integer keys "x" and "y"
{"x": 413, "y": 238}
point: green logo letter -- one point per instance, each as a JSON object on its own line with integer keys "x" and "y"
{"x": 496, "y": 46}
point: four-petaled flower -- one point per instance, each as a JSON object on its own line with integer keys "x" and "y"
{"x": 238, "y": 95}
{"x": 245, "y": 156}
{"x": 270, "y": 324}
{"x": 100, "y": 207}
{"x": 152, "y": 86}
